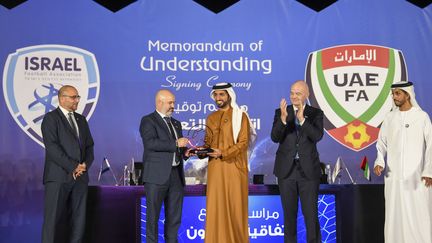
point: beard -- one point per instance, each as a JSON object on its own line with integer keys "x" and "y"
{"x": 74, "y": 107}
{"x": 169, "y": 111}
{"x": 222, "y": 104}
{"x": 398, "y": 103}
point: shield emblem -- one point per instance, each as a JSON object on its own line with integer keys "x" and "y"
{"x": 352, "y": 85}
{"x": 33, "y": 75}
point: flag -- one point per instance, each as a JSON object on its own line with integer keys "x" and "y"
{"x": 105, "y": 166}
{"x": 337, "y": 169}
{"x": 365, "y": 167}
{"x": 133, "y": 166}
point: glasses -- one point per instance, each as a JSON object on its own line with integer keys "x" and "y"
{"x": 74, "y": 97}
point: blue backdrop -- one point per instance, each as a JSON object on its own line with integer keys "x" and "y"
{"x": 269, "y": 42}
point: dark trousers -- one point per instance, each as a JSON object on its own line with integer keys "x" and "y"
{"x": 291, "y": 188}
{"x": 64, "y": 212}
{"x": 171, "y": 195}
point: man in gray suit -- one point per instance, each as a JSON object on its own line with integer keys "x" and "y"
{"x": 68, "y": 155}
{"x": 298, "y": 128}
{"x": 164, "y": 151}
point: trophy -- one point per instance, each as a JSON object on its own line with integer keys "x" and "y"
{"x": 198, "y": 142}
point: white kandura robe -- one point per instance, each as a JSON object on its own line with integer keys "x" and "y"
{"x": 406, "y": 138}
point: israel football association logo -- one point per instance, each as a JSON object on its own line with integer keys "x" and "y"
{"x": 352, "y": 85}
{"x": 33, "y": 75}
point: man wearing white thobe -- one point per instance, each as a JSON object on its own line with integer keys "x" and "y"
{"x": 406, "y": 139}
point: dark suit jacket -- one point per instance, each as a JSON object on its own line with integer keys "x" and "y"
{"x": 309, "y": 134}
{"x": 159, "y": 147}
{"x": 63, "y": 149}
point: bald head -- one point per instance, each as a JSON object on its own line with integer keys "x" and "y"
{"x": 165, "y": 101}
{"x": 299, "y": 93}
{"x": 68, "y": 97}
{"x": 65, "y": 89}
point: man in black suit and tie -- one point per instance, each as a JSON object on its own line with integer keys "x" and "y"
{"x": 69, "y": 154}
{"x": 297, "y": 128}
{"x": 164, "y": 149}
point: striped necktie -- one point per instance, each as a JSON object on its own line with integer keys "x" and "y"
{"x": 171, "y": 129}
{"x": 72, "y": 123}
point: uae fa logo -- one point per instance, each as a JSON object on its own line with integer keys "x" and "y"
{"x": 352, "y": 85}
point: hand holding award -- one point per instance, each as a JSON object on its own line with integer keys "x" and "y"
{"x": 197, "y": 140}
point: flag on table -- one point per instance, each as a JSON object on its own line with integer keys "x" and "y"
{"x": 105, "y": 166}
{"x": 365, "y": 167}
{"x": 337, "y": 169}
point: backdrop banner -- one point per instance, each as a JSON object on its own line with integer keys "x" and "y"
{"x": 349, "y": 54}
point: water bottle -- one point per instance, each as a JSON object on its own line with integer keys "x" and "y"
{"x": 126, "y": 176}
{"x": 328, "y": 173}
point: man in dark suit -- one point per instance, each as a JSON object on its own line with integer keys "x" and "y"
{"x": 68, "y": 156}
{"x": 163, "y": 176}
{"x": 297, "y": 128}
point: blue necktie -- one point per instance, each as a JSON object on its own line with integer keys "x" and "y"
{"x": 297, "y": 122}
